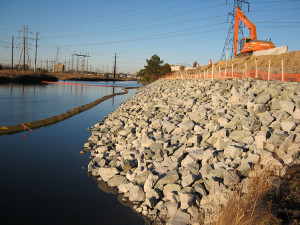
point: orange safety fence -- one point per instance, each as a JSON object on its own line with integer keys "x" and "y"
{"x": 229, "y": 74}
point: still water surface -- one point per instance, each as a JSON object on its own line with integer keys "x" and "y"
{"x": 43, "y": 178}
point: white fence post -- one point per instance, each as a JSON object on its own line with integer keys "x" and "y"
{"x": 282, "y": 76}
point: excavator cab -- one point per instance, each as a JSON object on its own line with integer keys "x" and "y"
{"x": 244, "y": 41}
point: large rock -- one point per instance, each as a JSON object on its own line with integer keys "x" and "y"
{"x": 188, "y": 180}
{"x": 287, "y": 106}
{"x": 187, "y": 160}
{"x": 263, "y": 98}
{"x": 172, "y": 188}
{"x": 196, "y": 153}
{"x": 116, "y": 181}
{"x": 141, "y": 178}
{"x": 150, "y": 182}
{"x": 239, "y": 135}
{"x": 296, "y": 114}
{"x": 107, "y": 173}
{"x": 125, "y": 187}
{"x": 266, "y": 118}
{"x": 180, "y": 218}
{"x": 186, "y": 200}
{"x": 136, "y": 194}
{"x": 233, "y": 151}
{"x": 168, "y": 178}
{"x": 288, "y": 126}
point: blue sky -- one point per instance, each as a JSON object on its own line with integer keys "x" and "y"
{"x": 179, "y": 31}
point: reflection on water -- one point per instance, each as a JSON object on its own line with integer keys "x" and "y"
{"x": 43, "y": 179}
{"x": 25, "y": 103}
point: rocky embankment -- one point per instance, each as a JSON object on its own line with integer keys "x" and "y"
{"x": 176, "y": 147}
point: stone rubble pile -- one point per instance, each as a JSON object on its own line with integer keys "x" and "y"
{"x": 176, "y": 147}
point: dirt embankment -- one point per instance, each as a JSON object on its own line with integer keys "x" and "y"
{"x": 291, "y": 63}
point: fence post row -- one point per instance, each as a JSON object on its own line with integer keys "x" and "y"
{"x": 205, "y": 72}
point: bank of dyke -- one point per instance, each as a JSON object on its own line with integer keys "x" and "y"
{"x": 176, "y": 148}
{"x": 25, "y": 78}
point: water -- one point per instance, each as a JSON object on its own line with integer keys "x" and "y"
{"x": 43, "y": 178}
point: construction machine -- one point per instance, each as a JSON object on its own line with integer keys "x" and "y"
{"x": 248, "y": 45}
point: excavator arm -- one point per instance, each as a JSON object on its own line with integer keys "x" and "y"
{"x": 239, "y": 15}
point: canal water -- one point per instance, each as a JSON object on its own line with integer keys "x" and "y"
{"x": 43, "y": 178}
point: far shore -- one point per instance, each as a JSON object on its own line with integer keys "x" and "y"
{"x": 8, "y": 76}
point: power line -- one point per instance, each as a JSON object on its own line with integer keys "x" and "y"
{"x": 103, "y": 16}
{"x": 156, "y": 36}
{"x": 118, "y": 30}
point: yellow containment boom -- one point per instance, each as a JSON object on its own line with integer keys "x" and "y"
{"x": 54, "y": 119}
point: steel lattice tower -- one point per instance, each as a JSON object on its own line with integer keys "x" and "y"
{"x": 229, "y": 45}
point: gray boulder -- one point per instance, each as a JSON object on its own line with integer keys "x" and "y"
{"x": 107, "y": 173}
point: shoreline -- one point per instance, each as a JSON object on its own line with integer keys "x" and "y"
{"x": 26, "y": 78}
{"x": 30, "y": 77}
{"x": 175, "y": 148}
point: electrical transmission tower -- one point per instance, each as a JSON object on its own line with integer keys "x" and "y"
{"x": 229, "y": 45}
{"x": 25, "y": 48}
{"x": 80, "y": 60}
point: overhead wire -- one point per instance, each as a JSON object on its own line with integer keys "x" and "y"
{"x": 147, "y": 21}
{"x": 102, "y": 16}
{"x": 145, "y": 37}
{"x": 117, "y": 30}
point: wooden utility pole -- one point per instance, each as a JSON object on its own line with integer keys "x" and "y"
{"x": 12, "y": 53}
{"x": 115, "y": 66}
{"x": 35, "y": 57}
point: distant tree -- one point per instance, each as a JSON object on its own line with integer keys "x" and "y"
{"x": 195, "y": 64}
{"x": 166, "y": 69}
{"x": 182, "y": 68}
{"x": 0, "y": 67}
{"x": 153, "y": 70}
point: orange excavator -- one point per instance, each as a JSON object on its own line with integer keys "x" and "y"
{"x": 251, "y": 44}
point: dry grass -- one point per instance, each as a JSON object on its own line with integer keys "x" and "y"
{"x": 270, "y": 200}
{"x": 291, "y": 63}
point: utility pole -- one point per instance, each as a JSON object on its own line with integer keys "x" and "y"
{"x": 72, "y": 63}
{"x": 115, "y": 66}
{"x": 35, "y": 57}
{"x": 57, "y": 55}
{"x": 87, "y": 66}
{"x": 69, "y": 66}
{"x": 12, "y": 53}
{"x": 229, "y": 45}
